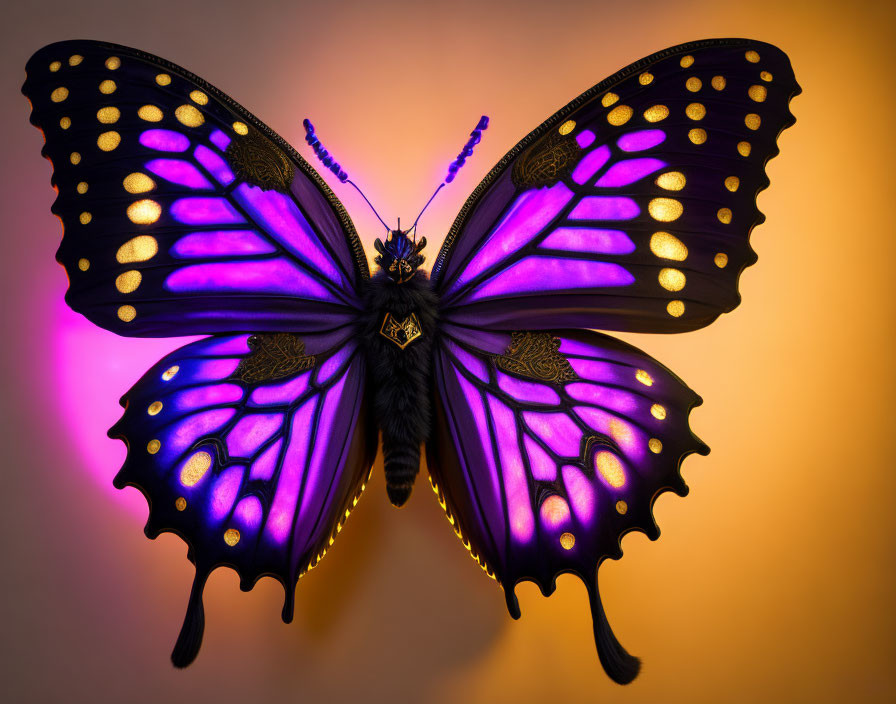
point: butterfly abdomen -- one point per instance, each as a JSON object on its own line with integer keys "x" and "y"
{"x": 398, "y": 340}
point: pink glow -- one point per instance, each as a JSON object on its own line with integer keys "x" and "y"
{"x": 248, "y": 512}
{"x": 542, "y": 466}
{"x": 522, "y": 521}
{"x": 224, "y": 492}
{"x": 580, "y": 492}
{"x": 91, "y": 369}
{"x": 590, "y": 163}
{"x": 559, "y": 433}
{"x": 585, "y": 138}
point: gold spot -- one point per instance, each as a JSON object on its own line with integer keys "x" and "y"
{"x": 765, "y": 76}
{"x": 107, "y": 87}
{"x": 609, "y": 99}
{"x": 697, "y": 135}
{"x": 108, "y": 141}
{"x": 567, "y": 127}
{"x": 665, "y": 209}
{"x": 231, "y": 536}
{"x": 644, "y": 377}
{"x": 718, "y": 82}
{"x": 108, "y": 115}
{"x": 180, "y": 504}
{"x": 75, "y": 158}
{"x": 127, "y": 313}
{"x": 163, "y": 79}
{"x": 758, "y": 93}
{"x": 671, "y": 181}
{"x": 195, "y": 468}
{"x": 137, "y": 249}
{"x": 198, "y": 97}
{"x": 153, "y": 446}
{"x": 743, "y": 148}
{"x": 138, "y": 183}
{"x": 129, "y": 281}
{"x": 667, "y": 246}
{"x": 240, "y": 128}
{"x": 724, "y": 215}
{"x": 58, "y": 95}
{"x": 693, "y": 84}
{"x": 619, "y": 115}
{"x": 695, "y": 111}
{"x": 154, "y": 408}
{"x": 610, "y": 469}
{"x": 752, "y": 56}
{"x": 721, "y": 260}
{"x": 645, "y": 78}
{"x": 568, "y": 541}
{"x": 752, "y": 121}
{"x": 85, "y": 217}
{"x": 83, "y": 264}
{"x": 672, "y": 279}
{"x": 655, "y": 445}
{"x": 675, "y": 308}
{"x": 82, "y": 187}
{"x": 732, "y": 183}
{"x": 65, "y": 122}
{"x": 113, "y": 62}
{"x": 169, "y": 373}
{"x": 686, "y": 61}
{"x": 658, "y": 412}
{"x": 656, "y": 113}
{"x": 621, "y": 507}
{"x": 55, "y": 66}
{"x": 189, "y": 116}
{"x": 144, "y": 212}
{"x": 75, "y": 59}
{"x": 150, "y": 113}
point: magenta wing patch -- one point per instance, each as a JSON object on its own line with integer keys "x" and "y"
{"x": 253, "y": 449}
{"x": 550, "y": 446}
{"x": 182, "y": 212}
{"x": 631, "y": 207}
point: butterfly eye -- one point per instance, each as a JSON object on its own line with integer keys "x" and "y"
{"x": 252, "y": 341}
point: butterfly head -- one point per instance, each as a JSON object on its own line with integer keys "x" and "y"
{"x": 399, "y": 256}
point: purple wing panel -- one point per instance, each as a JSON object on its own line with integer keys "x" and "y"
{"x": 253, "y": 449}
{"x": 183, "y": 213}
{"x": 630, "y": 208}
{"x": 549, "y": 447}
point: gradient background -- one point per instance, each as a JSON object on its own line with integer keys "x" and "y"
{"x": 774, "y": 580}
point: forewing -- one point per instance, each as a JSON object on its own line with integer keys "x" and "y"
{"x": 550, "y": 446}
{"x": 631, "y": 207}
{"x": 253, "y": 450}
{"x": 182, "y": 212}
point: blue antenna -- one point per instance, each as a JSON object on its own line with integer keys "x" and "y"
{"x": 454, "y": 166}
{"x": 327, "y": 160}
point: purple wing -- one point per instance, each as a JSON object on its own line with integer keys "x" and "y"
{"x": 182, "y": 212}
{"x": 549, "y": 447}
{"x": 630, "y": 208}
{"x": 253, "y": 449}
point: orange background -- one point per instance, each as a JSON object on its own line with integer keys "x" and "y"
{"x": 774, "y": 580}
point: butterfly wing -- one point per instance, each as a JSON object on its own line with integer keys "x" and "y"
{"x": 253, "y": 450}
{"x": 182, "y": 212}
{"x": 631, "y": 207}
{"x": 548, "y": 447}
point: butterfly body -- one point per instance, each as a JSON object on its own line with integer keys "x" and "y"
{"x": 628, "y": 209}
{"x": 398, "y": 339}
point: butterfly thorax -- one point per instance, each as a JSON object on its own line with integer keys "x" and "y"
{"x": 400, "y": 325}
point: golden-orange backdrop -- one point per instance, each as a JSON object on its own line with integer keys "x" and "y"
{"x": 773, "y": 580}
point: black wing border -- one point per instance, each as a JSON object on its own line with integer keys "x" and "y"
{"x": 348, "y": 227}
{"x": 467, "y": 208}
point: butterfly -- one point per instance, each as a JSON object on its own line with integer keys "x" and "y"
{"x": 629, "y": 209}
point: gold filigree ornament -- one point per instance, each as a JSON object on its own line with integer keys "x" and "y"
{"x": 274, "y": 356}
{"x": 547, "y": 161}
{"x": 534, "y": 355}
{"x": 401, "y": 333}
{"x": 255, "y": 160}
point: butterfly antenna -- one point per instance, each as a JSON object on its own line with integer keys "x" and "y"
{"x": 327, "y": 160}
{"x": 454, "y": 167}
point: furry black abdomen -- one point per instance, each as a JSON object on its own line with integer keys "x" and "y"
{"x": 400, "y": 377}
